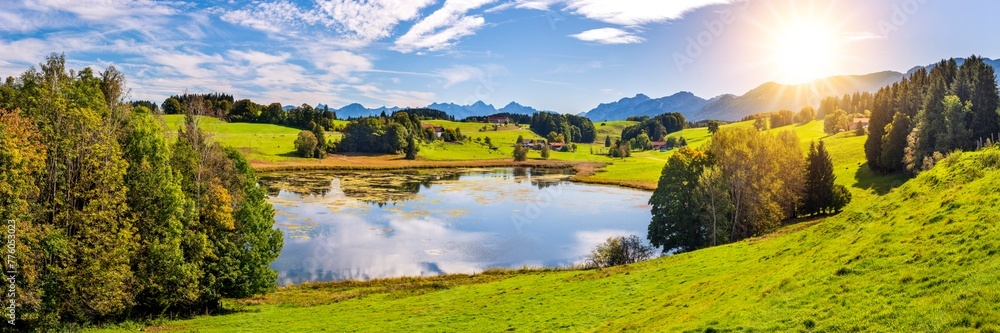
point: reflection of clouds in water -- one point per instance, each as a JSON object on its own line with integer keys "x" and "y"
{"x": 459, "y": 225}
{"x": 351, "y": 248}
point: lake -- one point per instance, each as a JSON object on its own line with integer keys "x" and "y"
{"x": 376, "y": 224}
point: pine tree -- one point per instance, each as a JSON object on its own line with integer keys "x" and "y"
{"x": 819, "y": 180}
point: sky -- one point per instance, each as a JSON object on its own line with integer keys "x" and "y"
{"x": 560, "y": 55}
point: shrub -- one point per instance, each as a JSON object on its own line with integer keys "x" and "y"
{"x": 305, "y": 144}
{"x": 619, "y": 250}
{"x": 545, "y": 152}
{"x": 841, "y": 197}
{"x": 520, "y": 153}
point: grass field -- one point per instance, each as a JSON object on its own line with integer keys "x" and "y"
{"x": 918, "y": 256}
{"x": 262, "y": 142}
{"x": 272, "y": 144}
{"x": 610, "y": 128}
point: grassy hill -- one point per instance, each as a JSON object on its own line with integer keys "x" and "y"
{"x": 265, "y": 142}
{"x": 920, "y": 257}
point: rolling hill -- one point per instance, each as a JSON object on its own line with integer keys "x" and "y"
{"x": 906, "y": 256}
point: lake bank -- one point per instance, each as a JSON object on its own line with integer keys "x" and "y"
{"x": 584, "y": 171}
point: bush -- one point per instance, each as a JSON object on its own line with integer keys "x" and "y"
{"x": 841, "y": 197}
{"x": 545, "y": 152}
{"x": 306, "y": 144}
{"x": 619, "y": 250}
{"x": 520, "y": 153}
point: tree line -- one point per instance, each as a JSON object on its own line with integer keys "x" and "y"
{"x": 743, "y": 184}
{"x": 916, "y": 121}
{"x": 656, "y": 128}
{"x": 112, "y": 218}
{"x": 571, "y": 128}
{"x": 382, "y": 135}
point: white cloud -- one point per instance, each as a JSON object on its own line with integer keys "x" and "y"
{"x": 258, "y": 58}
{"x": 369, "y": 20}
{"x": 608, "y": 36}
{"x": 440, "y": 29}
{"x": 104, "y": 10}
{"x": 273, "y": 17}
{"x": 636, "y": 12}
{"x": 460, "y": 73}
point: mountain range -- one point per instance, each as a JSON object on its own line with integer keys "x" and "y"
{"x": 767, "y": 97}
{"x": 477, "y": 109}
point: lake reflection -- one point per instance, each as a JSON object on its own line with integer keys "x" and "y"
{"x": 369, "y": 224}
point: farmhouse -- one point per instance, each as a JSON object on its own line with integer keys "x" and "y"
{"x": 438, "y": 130}
{"x": 658, "y": 145}
{"x": 556, "y": 145}
{"x": 498, "y": 120}
{"x": 530, "y": 143}
{"x": 858, "y": 123}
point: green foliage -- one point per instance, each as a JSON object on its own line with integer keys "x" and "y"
{"x": 782, "y": 118}
{"x": 642, "y": 142}
{"x": 375, "y": 135}
{"x": 520, "y": 153}
{"x": 411, "y": 148}
{"x": 805, "y": 115}
{"x": 836, "y": 122}
{"x": 675, "y": 225}
{"x": 618, "y": 250}
{"x": 657, "y": 127}
{"x": 761, "y": 124}
{"x": 320, "y": 134}
{"x": 713, "y": 126}
{"x": 573, "y": 128}
{"x": 244, "y": 111}
{"x": 822, "y": 195}
{"x": 125, "y": 225}
{"x": 306, "y": 144}
{"x": 544, "y": 151}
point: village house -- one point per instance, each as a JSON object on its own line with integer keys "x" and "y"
{"x": 858, "y": 123}
{"x": 558, "y": 146}
{"x": 659, "y": 145}
{"x": 438, "y": 130}
{"x": 529, "y": 143}
{"x": 497, "y": 120}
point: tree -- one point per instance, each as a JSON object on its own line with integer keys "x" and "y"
{"x": 411, "y": 148}
{"x": 642, "y": 141}
{"x": 619, "y": 250}
{"x": 760, "y": 124}
{"x": 671, "y": 142}
{"x": 545, "y": 152}
{"x": 835, "y": 122}
{"x": 976, "y": 83}
{"x": 520, "y": 140}
{"x": 820, "y": 189}
{"x": 172, "y": 106}
{"x": 713, "y": 126}
{"x": 520, "y": 153}
{"x": 805, "y": 115}
{"x": 305, "y": 144}
{"x": 894, "y": 145}
{"x": 320, "y": 135}
{"x": 676, "y": 225}
{"x": 244, "y": 110}
{"x": 156, "y": 204}
{"x": 489, "y": 142}
{"x": 711, "y": 194}
{"x": 607, "y": 141}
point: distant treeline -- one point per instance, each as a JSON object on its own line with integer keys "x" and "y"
{"x": 571, "y": 128}
{"x": 382, "y": 135}
{"x": 656, "y": 128}
{"x": 213, "y": 104}
{"x": 427, "y": 114}
{"x": 517, "y": 118}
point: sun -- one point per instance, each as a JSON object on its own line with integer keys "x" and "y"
{"x": 803, "y": 51}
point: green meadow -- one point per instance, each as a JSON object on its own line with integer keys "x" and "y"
{"x": 905, "y": 256}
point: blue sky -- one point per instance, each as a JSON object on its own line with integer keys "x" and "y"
{"x": 560, "y": 55}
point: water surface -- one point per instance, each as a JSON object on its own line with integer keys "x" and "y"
{"x": 367, "y": 224}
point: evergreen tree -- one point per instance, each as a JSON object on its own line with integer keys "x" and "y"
{"x": 607, "y": 141}
{"x": 820, "y": 179}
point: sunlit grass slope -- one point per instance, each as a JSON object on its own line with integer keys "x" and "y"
{"x": 920, "y": 258}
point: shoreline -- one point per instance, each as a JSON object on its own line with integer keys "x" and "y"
{"x": 583, "y": 170}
